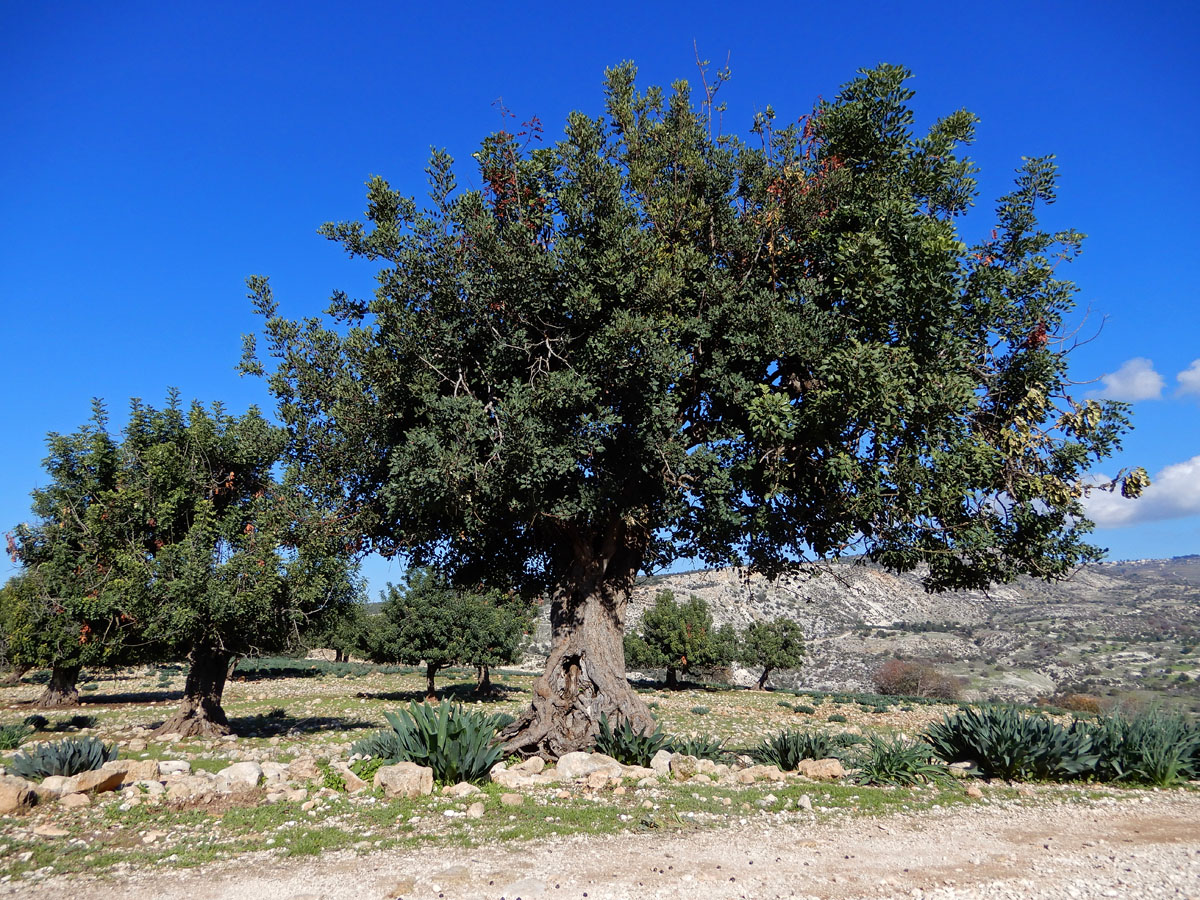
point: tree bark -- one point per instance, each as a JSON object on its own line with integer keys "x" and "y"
{"x": 762, "y": 680}
{"x": 430, "y": 686}
{"x": 62, "y": 689}
{"x": 672, "y": 679}
{"x": 14, "y": 675}
{"x": 584, "y": 676}
{"x": 483, "y": 680}
{"x": 201, "y": 712}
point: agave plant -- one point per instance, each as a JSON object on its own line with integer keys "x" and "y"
{"x": 458, "y": 745}
{"x": 894, "y": 760}
{"x": 1006, "y": 743}
{"x": 66, "y": 757}
{"x": 787, "y": 748}
{"x": 629, "y": 747}
{"x": 1150, "y": 748}
{"x": 697, "y": 745}
{"x": 11, "y": 736}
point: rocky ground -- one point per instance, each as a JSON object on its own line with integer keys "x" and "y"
{"x": 1137, "y": 847}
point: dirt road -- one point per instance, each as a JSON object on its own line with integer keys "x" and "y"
{"x": 1143, "y": 847}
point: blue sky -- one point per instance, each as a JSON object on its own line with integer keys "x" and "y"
{"x": 154, "y": 155}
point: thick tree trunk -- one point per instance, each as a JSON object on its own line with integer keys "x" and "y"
{"x": 201, "y": 712}
{"x": 62, "y": 689}
{"x": 14, "y": 675}
{"x": 483, "y": 681}
{"x": 341, "y": 656}
{"x": 762, "y": 679}
{"x": 585, "y": 671}
{"x": 430, "y": 686}
{"x": 672, "y": 679}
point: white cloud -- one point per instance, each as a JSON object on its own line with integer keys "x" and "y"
{"x": 1189, "y": 379}
{"x": 1135, "y": 380}
{"x": 1173, "y": 493}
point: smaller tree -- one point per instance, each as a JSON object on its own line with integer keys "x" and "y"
{"x": 428, "y": 621}
{"x": 679, "y": 637}
{"x": 343, "y": 630}
{"x": 778, "y": 644}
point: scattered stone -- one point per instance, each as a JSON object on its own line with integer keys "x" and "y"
{"x": 297, "y": 796}
{"x": 75, "y": 801}
{"x": 579, "y": 764}
{"x": 50, "y": 831}
{"x": 132, "y": 769}
{"x": 959, "y": 769}
{"x": 274, "y": 772}
{"x": 354, "y": 784}
{"x": 303, "y": 768}
{"x": 512, "y": 799}
{"x": 532, "y": 766}
{"x": 804, "y": 802}
{"x": 452, "y": 875}
{"x": 683, "y": 767}
{"x": 244, "y": 774}
{"x": 137, "y": 745}
{"x": 661, "y": 764}
{"x": 97, "y": 780}
{"x": 974, "y": 792}
{"x": 405, "y": 779}
{"x": 16, "y": 795}
{"x": 598, "y": 780}
{"x": 821, "y": 769}
{"x": 169, "y": 767}
{"x": 400, "y": 887}
{"x": 619, "y": 791}
{"x": 475, "y": 810}
{"x": 462, "y": 789}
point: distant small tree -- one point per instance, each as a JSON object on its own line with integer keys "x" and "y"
{"x": 916, "y": 679}
{"x": 343, "y": 630}
{"x": 778, "y": 644}
{"x": 428, "y": 621}
{"x": 679, "y": 637}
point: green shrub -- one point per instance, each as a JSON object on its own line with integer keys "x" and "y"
{"x": 37, "y": 722}
{"x": 836, "y": 717}
{"x": 892, "y": 760}
{"x": 1006, "y": 743}
{"x": 804, "y": 708}
{"x": 366, "y": 768}
{"x": 331, "y": 778}
{"x": 699, "y": 710}
{"x": 458, "y": 745}
{"x": 500, "y": 721}
{"x": 12, "y": 735}
{"x": 66, "y": 757}
{"x": 783, "y": 704}
{"x": 699, "y": 746}
{"x": 629, "y": 747}
{"x": 788, "y": 747}
{"x": 1152, "y": 747}
{"x": 79, "y": 721}
{"x": 383, "y": 744}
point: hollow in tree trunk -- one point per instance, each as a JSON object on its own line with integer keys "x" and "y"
{"x": 762, "y": 679}
{"x": 584, "y": 676}
{"x": 483, "y": 681}
{"x": 201, "y": 712}
{"x": 14, "y": 675}
{"x": 430, "y": 686}
{"x": 62, "y": 689}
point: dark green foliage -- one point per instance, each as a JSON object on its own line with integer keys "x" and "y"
{"x": 893, "y": 760}
{"x": 11, "y": 736}
{"x": 500, "y": 721}
{"x": 804, "y": 708}
{"x": 836, "y": 717}
{"x": 79, "y": 721}
{"x": 787, "y": 748}
{"x": 384, "y": 744}
{"x": 783, "y": 704}
{"x": 627, "y": 746}
{"x": 697, "y": 745}
{"x": 778, "y": 644}
{"x": 430, "y": 622}
{"x": 66, "y": 757}
{"x": 1006, "y": 743}
{"x": 699, "y": 710}
{"x": 1151, "y": 747}
{"x": 457, "y": 744}
{"x": 37, "y": 722}
{"x": 679, "y": 637}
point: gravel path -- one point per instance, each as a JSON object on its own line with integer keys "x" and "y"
{"x": 1142, "y": 848}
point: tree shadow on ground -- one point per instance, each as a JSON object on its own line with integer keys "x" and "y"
{"x": 455, "y": 693}
{"x": 265, "y": 726}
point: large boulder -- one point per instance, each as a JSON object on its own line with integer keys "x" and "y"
{"x": 241, "y": 775}
{"x": 133, "y": 769}
{"x": 168, "y": 767}
{"x": 576, "y": 765}
{"x": 683, "y": 766}
{"x": 95, "y": 781}
{"x": 405, "y": 779}
{"x": 661, "y": 764}
{"x": 16, "y": 795}
{"x": 821, "y": 769}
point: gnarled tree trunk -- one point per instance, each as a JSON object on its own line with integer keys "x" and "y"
{"x": 483, "y": 681}
{"x": 430, "y": 685}
{"x": 14, "y": 675}
{"x": 62, "y": 689}
{"x": 585, "y": 672}
{"x": 762, "y": 679}
{"x": 201, "y": 712}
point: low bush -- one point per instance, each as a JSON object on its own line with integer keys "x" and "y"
{"x": 699, "y": 710}
{"x": 787, "y": 748}
{"x": 804, "y": 708}
{"x": 1150, "y": 747}
{"x": 894, "y": 760}
{"x": 899, "y": 677}
{"x": 699, "y": 746}
{"x": 836, "y": 717}
{"x": 1006, "y": 743}
{"x": 37, "y": 722}
{"x": 11, "y": 736}
{"x": 458, "y": 745}
{"x": 66, "y": 757}
{"x": 629, "y": 747}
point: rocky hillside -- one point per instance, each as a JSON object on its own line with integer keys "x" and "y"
{"x": 1113, "y": 629}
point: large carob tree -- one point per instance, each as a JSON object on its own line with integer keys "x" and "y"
{"x": 651, "y": 341}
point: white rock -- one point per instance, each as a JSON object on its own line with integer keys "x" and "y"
{"x": 580, "y": 765}
{"x": 244, "y": 774}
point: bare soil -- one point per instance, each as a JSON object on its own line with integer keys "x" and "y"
{"x": 1142, "y": 847}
